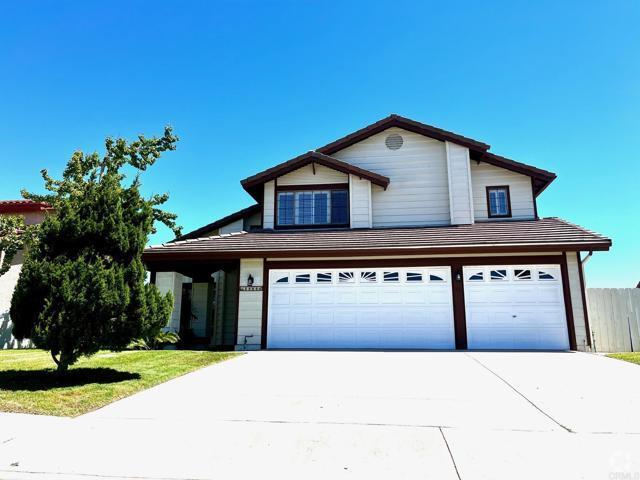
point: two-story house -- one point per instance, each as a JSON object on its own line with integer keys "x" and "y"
{"x": 397, "y": 236}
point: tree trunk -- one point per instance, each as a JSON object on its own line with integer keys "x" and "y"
{"x": 62, "y": 368}
{"x": 62, "y": 363}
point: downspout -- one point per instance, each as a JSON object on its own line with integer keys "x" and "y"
{"x": 586, "y": 259}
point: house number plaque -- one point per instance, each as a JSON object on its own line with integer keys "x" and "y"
{"x": 250, "y": 288}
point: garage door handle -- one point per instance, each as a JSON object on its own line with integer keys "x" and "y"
{"x": 514, "y": 316}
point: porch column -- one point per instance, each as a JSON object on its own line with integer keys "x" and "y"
{"x": 170, "y": 282}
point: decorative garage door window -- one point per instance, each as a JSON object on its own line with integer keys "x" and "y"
{"x": 346, "y": 277}
{"x": 361, "y": 277}
{"x": 324, "y": 277}
{"x": 508, "y": 273}
{"x": 303, "y": 278}
{"x": 499, "y": 275}
{"x": 414, "y": 276}
{"x": 391, "y": 277}
{"x": 542, "y": 275}
{"x": 368, "y": 277}
{"x": 476, "y": 276}
{"x": 520, "y": 274}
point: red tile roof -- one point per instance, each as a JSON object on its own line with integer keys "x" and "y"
{"x": 22, "y": 206}
{"x": 548, "y": 234}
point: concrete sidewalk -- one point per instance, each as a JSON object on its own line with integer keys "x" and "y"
{"x": 357, "y": 415}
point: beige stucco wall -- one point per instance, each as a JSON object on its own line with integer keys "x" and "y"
{"x": 8, "y": 282}
{"x": 573, "y": 270}
{"x": 250, "y": 306}
{"x": 484, "y": 175}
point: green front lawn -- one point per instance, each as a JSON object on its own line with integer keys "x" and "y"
{"x": 29, "y": 384}
{"x": 627, "y": 357}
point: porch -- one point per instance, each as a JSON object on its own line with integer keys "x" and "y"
{"x": 205, "y": 302}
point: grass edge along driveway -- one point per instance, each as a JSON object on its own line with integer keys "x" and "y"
{"x": 631, "y": 357}
{"x": 29, "y": 384}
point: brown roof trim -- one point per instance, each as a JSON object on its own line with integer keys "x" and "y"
{"x": 245, "y": 212}
{"x": 543, "y": 235}
{"x": 394, "y": 120}
{"x": 541, "y": 178}
{"x": 152, "y": 257}
{"x": 251, "y": 184}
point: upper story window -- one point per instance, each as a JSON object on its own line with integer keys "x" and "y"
{"x": 498, "y": 202}
{"x": 313, "y": 207}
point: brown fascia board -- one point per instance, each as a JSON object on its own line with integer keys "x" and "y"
{"x": 158, "y": 257}
{"x": 252, "y": 184}
{"x": 245, "y": 212}
{"x": 542, "y": 178}
{"x": 394, "y": 120}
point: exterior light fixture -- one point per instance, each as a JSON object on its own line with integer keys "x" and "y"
{"x": 250, "y": 280}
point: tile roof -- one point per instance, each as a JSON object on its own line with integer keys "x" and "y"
{"x": 548, "y": 234}
{"x": 245, "y": 212}
{"x": 21, "y": 206}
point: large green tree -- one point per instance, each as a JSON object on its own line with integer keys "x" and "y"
{"x": 82, "y": 287}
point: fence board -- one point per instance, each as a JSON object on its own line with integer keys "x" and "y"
{"x": 614, "y": 315}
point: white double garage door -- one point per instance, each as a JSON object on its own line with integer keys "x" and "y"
{"x": 506, "y": 307}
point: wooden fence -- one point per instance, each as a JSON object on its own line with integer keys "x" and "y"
{"x": 614, "y": 318}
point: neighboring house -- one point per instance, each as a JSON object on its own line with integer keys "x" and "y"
{"x": 398, "y": 236}
{"x": 33, "y": 213}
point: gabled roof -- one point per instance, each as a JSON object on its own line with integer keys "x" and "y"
{"x": 540, "y": 178}
{"x": 478, "y": 150}
{"x": 23, "y": 206}
{"x": 548, "y": 235}
{"x": 394, "y": 120}
{"x": 221, "y": 222}
{"x": 254, "y": 183}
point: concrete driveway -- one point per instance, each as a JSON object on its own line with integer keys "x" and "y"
{"x": 479, "y": 415}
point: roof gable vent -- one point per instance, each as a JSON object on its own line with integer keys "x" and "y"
{"x": 394, "y": 141}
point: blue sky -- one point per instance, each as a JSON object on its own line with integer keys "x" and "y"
{"x": 247, "y": 85}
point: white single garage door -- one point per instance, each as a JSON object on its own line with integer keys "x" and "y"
{"x": 515, "y": 307}
{"x": 388, "y": 308}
